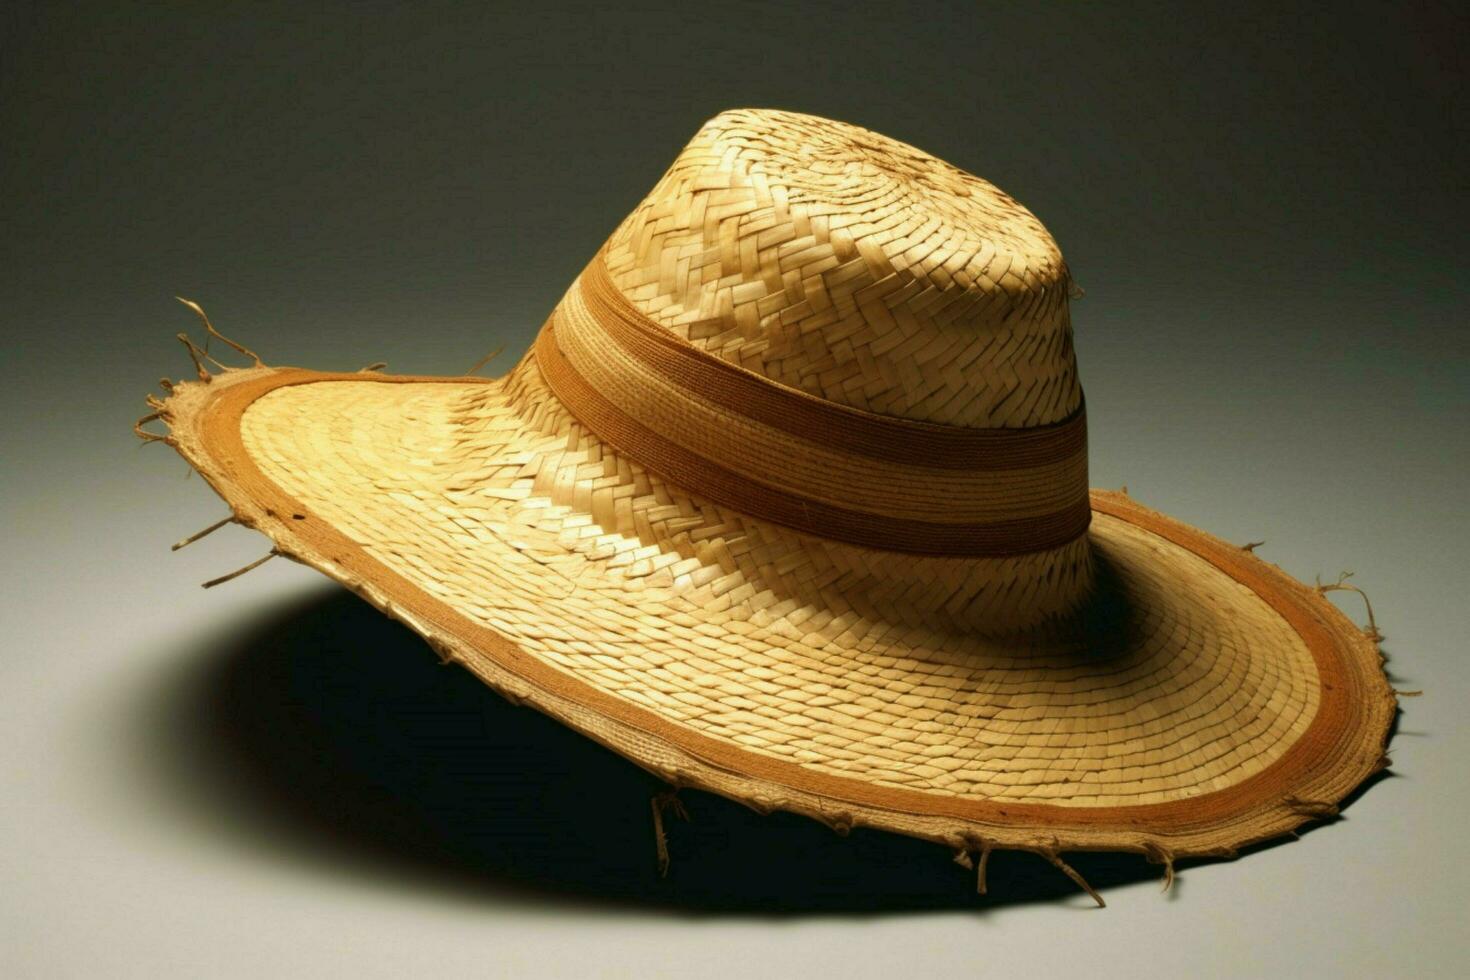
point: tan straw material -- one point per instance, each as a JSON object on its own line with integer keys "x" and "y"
{"x": 722, "y": 551}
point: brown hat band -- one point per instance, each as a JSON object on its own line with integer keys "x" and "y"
{"x": 783, "y": 455}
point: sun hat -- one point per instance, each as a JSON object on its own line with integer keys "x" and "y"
{"x": 788, "y": 502}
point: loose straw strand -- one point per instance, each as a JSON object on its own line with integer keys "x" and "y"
{"x": 144, "y": 434}
{"x": 1372, "y": 631}
{"x": 196, "y": 354}
{"x": 668, "y": 799}
{"x": 963, "y": 858}
{"x": 184, "y": 542}
{"x": 209, "y": 328}
{"x": 1072, "y": 873}
{"x": 485, "y": 360}
{"x": 1342, "y": 585}
{"x": 1158, "y": 854}
{"x": 241, "y": 571}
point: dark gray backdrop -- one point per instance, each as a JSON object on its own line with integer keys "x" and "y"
{"x": 1264, "y": 202}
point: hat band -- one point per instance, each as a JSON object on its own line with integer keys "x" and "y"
{"x": 785, "y": 456}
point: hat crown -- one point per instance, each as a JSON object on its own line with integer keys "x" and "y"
{"x": 821, "y": 347}
{"x": 856, "y": 268}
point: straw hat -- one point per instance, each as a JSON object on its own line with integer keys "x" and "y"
{"x": 788, "y": 502}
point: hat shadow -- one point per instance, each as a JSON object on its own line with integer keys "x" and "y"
{"x": 332, "y": 736}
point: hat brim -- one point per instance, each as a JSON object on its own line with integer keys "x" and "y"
{"x": 1211, "y": 701}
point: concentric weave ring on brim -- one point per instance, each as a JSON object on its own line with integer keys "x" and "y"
{"x": 789, "y": 502}
{"x": 1213, "y": 703}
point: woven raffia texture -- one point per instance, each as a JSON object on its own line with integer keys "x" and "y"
{"x": 864, "y": 271}
{"x": 495, "y": 503}
{"x": 855, "y": 267}
{"x": 1121, "y": 669}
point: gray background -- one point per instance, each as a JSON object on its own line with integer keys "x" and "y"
{"x": 1265, "y": 203}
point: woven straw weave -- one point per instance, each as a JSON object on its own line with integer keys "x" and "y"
{"x": 1145, "y": 687}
